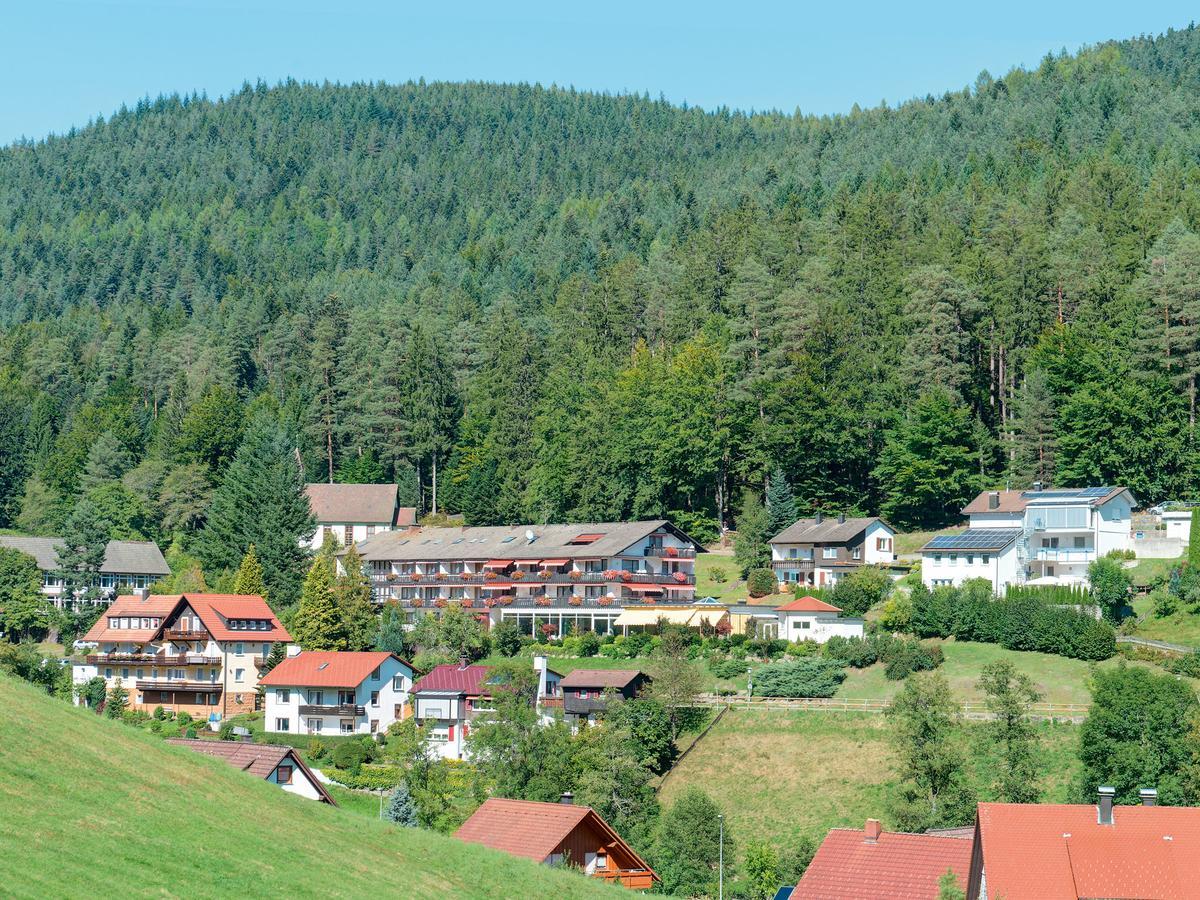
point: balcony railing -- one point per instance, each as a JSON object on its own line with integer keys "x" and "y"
{"x": 575, "y": 706}
{"x": 116, "y": 659}
{"x": 668, "y": 552}
{"x": 182, "y": 634}
{"x": 343, "y": 711}
{"x": 1064, "y": 554}
{"x": 381, "y": 580}
{"x": 800, "y": 565}
{"x": 167, "y": 684}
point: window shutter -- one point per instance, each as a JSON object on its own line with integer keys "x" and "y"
{"x": 450, "y": 733}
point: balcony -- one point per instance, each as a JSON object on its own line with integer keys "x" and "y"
{"x": 530, "y": 579}
{"x": 181, "y": 634}
{"x": 669, "y": 552}
{"x": 166, "y": 684}
{"x": 574, "y": 706}
{"x": 120, "y": 659}
{"x": 1063, "y": 554}
{"x": 799, "y": 565}
{"x": 346, "y": 711}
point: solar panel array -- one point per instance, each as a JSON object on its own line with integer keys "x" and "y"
{"x": 975, "y": 539}
{"x": 1082, "y": 493}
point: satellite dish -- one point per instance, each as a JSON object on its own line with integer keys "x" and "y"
{"x": 529, "y": 536}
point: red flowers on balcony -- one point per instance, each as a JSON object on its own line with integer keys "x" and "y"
{"x": 545, "y": 574}
{"x": 441, "y": 602}
{"x": 575, "y": 601}
{"x": 680, "y": 577}
{"x": 612, "y": 574}
{"x": 415, "y": 602}
{"x": 489, "y": 575}
{"x": 415, "y": 576}
{"x": 541, "y": 601}
{"x": 504, "y": 600}
{"x": 466, "y": 602}
{"x": 672, "y": 551}
{"x": 488, "y": 603}
{"x": 518, "y": 575}
{"x": 574, "y": 574}
{"x": 604, "y": 601}
{"x": 626, "y": 576}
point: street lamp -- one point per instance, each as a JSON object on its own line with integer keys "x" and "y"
{"x": 749, "y": 682}
{"x": 721, "y": 858}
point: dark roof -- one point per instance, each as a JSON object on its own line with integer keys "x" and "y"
{"x": 511, "y": 542}
{"x": 120, "y": 557}
{"x": 365, "y": 503}
{"x": 895, "y": 866}
{"x": 974, "y": 539}
{"x": 828, "y": 531}
{"x": 257, "y": 759}
{"x": 450, "y": 677}
{"x": 600, "y": 678}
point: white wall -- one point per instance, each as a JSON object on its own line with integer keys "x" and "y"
{"x": 998, "y": 520}
{"x": 821, "y": 626}
{"x": 300, "y": 785}
{"x": 390, "y": 695}
{"x": 1178, "y": 524}
{"x": 1112, "y": 521}
{"x": 339, "y": 531}
{"x": 870, "y": 553}
{"x": 1001, "y": 568}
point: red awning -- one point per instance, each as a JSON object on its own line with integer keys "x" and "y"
{"x": 554, "y": 562}
{"x": 497, "y": 585}
{"x": 497, "y": 564}
{"x": 527, "y": 562}
{"x": 646, "y": 588}
{"x": 586, "y": 538}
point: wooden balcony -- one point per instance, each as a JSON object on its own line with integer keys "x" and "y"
{"x": 799, "y": 565}
{"x": 180, "y": 634}
{"x": 574, "y": 706}
{"x": 345, "y": 711}
{"x": 165, "y": 684}
{"x": 153, "y": 659}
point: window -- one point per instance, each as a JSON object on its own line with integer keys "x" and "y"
{"x": 970, "y": 559}
{"x": 108, "y": 673}
{"x": 440, "y": 735}
{"x": 326, "y": 534}
{"x": 239, "y": 648}
{"x": 937, "y": 559}
{"x": 397, "y": 682}
{"x": 375, "y": 698}
{"x": 374, "y": 725}
{"x": 347, "y": 726}
{"x": 375, "y": 674}
{"x": 829, "y": 552}
{"x": 125, "y": 673}
{"x": 601, "y": 860}
{"x": 317, "y": 698}
{"x": 139, "y": 673}
{"x": 283, "y": 695}
{"x": 954, "y": 559}
{"x": 370, "y": 531}
{"x": 346, "y": 698}
{"x": 266, "y": 650}
{"x": 283, "y": 775}
{"x": 856, "y": 553}
{"x": 315, "y": 725}
{"x": 1080, "y": 542}
{"x": 883, "y": 544}
{"x": 239, "y": 674}
{"x": 804, "y": 624}
{"x": 349, "y": 535}
{"x": 984, "y": 559}
{"x": 281, "y": 724}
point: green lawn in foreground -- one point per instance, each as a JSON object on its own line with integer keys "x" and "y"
{"x": 1181, "y": 628}
{"x": 91, "y": 807}
{"x": 784, "y": 774}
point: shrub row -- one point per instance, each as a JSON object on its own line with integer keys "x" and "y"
{"x": 901, "y": 656}
{"x": 368, "y": 778}
{"x": 812, "y": 676}
{"x": 1021, "y": 621}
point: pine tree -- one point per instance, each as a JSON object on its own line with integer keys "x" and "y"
{"x": 118, "y": 701}
{"x": 107, "y": 460}
{"x": 401, "y": 808}
{"x": 781, "y": 504}
{"x": 277, "y": 655}
{"x": 85, "y": 538}
{"x": 391, "y": 635}
{"x": 1034, "y": 439}
{"x": 942, "y": 311}
{"x": 353, "y": 595}
{"x": 318, "y": 624}
{"x": 329, "y": 331}
{"x": 750, "y": 547}
{"x": 1169, "y": 291}
{"x": 260, "y": 501}
{"x": 249, "y": 576}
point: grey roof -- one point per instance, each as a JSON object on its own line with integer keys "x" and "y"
{"x": 974, "y": 539}
{"x": 828, "y": 531}
{"x": 120, "y": 557}
{"x": 365, "y": 503}
{"x": 510, "y": 541}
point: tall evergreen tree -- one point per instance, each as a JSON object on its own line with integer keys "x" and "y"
{"x": 85, "y": 536}
{"x": 1034, "y": 438}
{"x": 781, "y": 504}
{"x": 353, "y": 594}
{"x": 249, "y": 577}
{"x": 750, "y": 547}
{"x": 318, "y": 623}
{"x": 107, "y": 460}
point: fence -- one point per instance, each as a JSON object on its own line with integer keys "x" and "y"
{"x": 1161, "y": 646}
{"x": 1057, "y": 712}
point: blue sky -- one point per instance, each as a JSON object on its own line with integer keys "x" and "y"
{"x": 64, "y": 61}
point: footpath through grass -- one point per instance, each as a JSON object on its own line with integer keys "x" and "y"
{"x": 91, "y": 807}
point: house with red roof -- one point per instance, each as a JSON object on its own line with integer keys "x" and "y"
{"x": 336, "y": 692}
{"x": 558, "y": 834}
{"x": 873, "y": 864}
{"x": 810, "y": 619}
{"x": 586, "y": 691}
{"x": 273, "y": 763}
{"x": 196, "y": 653}
{"x": 450, "y": 697}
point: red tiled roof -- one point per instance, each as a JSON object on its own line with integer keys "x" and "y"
{"x": 1060, "y": 850}
{"x": 451, "y": 677}
{"x": 327, "y": 668}
{"x": 257, "y": 759}
{"x": 534, "y": 830}
{"x": 155, "y": 605}
{"x": 896, "y": 866}
{"x": 601, "y": 678}
{"x": 808, "y": 604}
{"x": 215, "y": 610}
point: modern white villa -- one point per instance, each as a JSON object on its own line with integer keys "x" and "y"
{"x": 1031, "y": 537}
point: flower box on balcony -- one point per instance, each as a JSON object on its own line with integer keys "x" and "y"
{"x": 415, "y": 576}
{"x": 441, "y": 602}
{"x": 415, "y": 602}
{"x": 440, "y": 576}
{"x": 466, "y": 602}
{"x": 518, "y": 575}
{"x": 489, "y": 603}
{"x": 672, "y": 551}
{"x": 611, "y": 574}
{"x": 391, "y": 576}
{"x": 504, "y": 600}
{"x": 680, "y": 577}
{"x": 604, "y": 601}
{"x": 489, "y": 575}
{"x": 574, "y": 574}
{"x": 542, "y": 601}
{"x": 545, "y": 574}
{"x": 626, "y": 576}
{"x": 575, "y": 601}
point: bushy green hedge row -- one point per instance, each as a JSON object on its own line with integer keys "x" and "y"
{"x": 901, "y": 656}
{"x": 368, "y": 778}
{"x": 1022, "y": 621}
{"x": 812, "y": 676}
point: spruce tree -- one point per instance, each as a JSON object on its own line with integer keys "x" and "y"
{"x": 118, "y": 701}
{"x": 85, "y": 539}
{"x": 277, "y": 655}
{"x": 781, "y": 504}
{"x": 318, "y": 623}
{"x": 750, "y": 547}
{"x": 261, "y": 501}
{"x": 107, "y": 460}
{"x": 401, "y": 808}
{"x": 249, "y": 577}
{"x": 353, "y": 594}
{"x": 391, "y": 634}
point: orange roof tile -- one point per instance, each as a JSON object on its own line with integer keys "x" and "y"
{"x": 215, "y": 611}
{"x": 156, "y": 605}
{"x": 808, "y": 604}
{"x": 327, "y": 668}
{"x": 1060, "y": 850}
{"x": 896, "y": 866}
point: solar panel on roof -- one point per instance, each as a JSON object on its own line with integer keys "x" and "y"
{"x": 974, "y": 539}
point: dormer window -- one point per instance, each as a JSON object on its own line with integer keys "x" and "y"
{"x": 582, "y": 540}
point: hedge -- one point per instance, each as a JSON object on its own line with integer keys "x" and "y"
{"x": 368, "y": 778}
{"x": 813, "y": 676}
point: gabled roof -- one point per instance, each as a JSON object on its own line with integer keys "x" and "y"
{"x": 808, "y": 604}
{"x": 600, "y": 678}
{"x": 155, "y": 605}
{"x": 257, "y": 759}
{"x": 1016, "y": 501}
{"x": 1059, "y": 850}
{"x": 974, "y": 539}
{"x": 470, "y": 680}
{"x": 358, "y": 503}
{"x": 120, "y": 557}
{"x": 328, "y": 668}
{"x": 215, "y": 611}
{"x": 896, "y": 866}
{"x": 511, "y": 542}
{"x": 535, "y": 830}
{"x": 828, "y": 531}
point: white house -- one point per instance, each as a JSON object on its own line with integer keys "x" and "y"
{"x": 273, "y": 763}
{"x": 336, "y": 692}
{"x": 127, "y": 564}
{"x": 1031, "y": 537}
{"x": 1177, "y": 524}
{"x": 450, "y": 697}
{"x": 820, "y": 550}
{"x": 810, "y": 619}
{"x": 351, "y": 513}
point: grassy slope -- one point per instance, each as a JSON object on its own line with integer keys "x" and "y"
{"x": 733, "y": 588}
{"x": 89, "y": 807}
{"x": 782, "y": 775}
{"x": 566, "y": 664}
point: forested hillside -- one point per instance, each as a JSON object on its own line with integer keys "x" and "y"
{"x": 538, "y": 304}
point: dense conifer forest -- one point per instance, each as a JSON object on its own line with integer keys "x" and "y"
{"x": 536, "y": 304}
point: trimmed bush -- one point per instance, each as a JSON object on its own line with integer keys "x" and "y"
{"x": 813, "y": 676}
{"x": 761, "y": 582}
{"x": 349, "y": 757}
{"x": 368, "y": 778}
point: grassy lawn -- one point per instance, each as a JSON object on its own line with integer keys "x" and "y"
{"x": 733, "y": 588}
{"x": 1147, "y": 571}
{"x": 143, "y": 818}
{"x": 782, "y": 775}
{"x": 1181, "y": 628}
{"x": 911, "y": 541}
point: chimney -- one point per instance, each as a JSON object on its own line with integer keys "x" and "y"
{"x": 567, "y": 798}
{"x": 871, "y": 831}
{"x": 1037, "y": 486}
{"x": 1149, "y": 796}
{"x": 841, "y": 518}
{"x": 462, "y": 663}
{"x": 820, "y": 517}
{"x": 293, "y": 650}
{"x": 993, "y": 499}
{"x": 1104, "y": 806}
{"x": 141, "y": 593}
